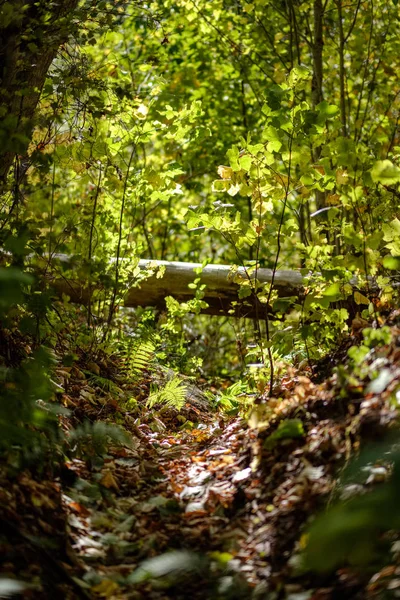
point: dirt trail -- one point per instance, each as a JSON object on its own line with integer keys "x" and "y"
{"x": 223, "y": 507}
{"x": 173, "y": 492}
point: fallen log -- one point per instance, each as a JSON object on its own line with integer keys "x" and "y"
{"x": 221, "y": 292}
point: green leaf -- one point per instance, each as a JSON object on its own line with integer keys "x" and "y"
{"x": 391, "y": 231}
{"x": 220, "y": 185}
{"x": 12, "y": 282}
{"x": 274, "y": 146}
{"x": 270, "y": 133}
{"x": 299, "y": 76}
{"x": 245, "y": 162}
{"x": 328, "y": 111}
{"x": 333, "y": 289}
{"x": 233, "y": 156}
{"x": 391, "y": 262}
{"x": 244, "y": 291}
{"x": 385, "y": 172}
{"x": 287, "y": 429}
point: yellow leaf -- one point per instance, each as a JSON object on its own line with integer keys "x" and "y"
{"x": 360, "y": 298}
{"x": 347, "y": 289}
{"x": 234, "y": 189}
{"x": 141, "y": 111}
{"x": 332, "y": 199}
{"x": 224, "y": 172}
{"x": 248, "y": 7}
{"x": 161, "y": 272}
{"x": 108, "y": 480}
{"x": 106, "y": 588}
{"x": 342, "y": 177}
{"x": 386, "y": 297}
{"x": 304, "y": 541}
{"x": 304, "y": 191}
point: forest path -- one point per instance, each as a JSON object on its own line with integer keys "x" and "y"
{"x": 196, "y": 504}
{"x": 218, "y": 511}
{"x": 172, "y": 491}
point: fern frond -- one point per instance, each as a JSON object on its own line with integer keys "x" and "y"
{"x": 102, "y": 382}
{"x": 172, "y": 394}
{"x": 141, "y": 356}
{"x": 95, "y": 438}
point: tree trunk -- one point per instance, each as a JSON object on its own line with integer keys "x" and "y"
{"x": 317, "y": 79}
{"x": 342, "y": 75}
{"x": 318, "y": 46}
{"x": 30, "y": 36}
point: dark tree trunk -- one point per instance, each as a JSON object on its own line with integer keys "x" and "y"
{"x": 30, "y": 36}
{"x": 318, "y": 46}
{"x": 317, "y": 79}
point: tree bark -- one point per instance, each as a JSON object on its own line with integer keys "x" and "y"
{"x": 318, "y": 46}
{"x": 30, "y": 36}
{"x": 317, "y": 79}
{"x": 342, "y": 43}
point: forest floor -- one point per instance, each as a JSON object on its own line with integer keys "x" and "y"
{"x": 217, "y": 511}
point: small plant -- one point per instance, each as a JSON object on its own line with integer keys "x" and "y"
{"x": 91, "y": 440}
{"x": 102, "y": 382}
{"x": 172, "y": 394}
{"x": 377, "y": 337}
{"x": 232, "y": 399}
{"x": 372, "y": 339}
{"x": 141, "y": 357}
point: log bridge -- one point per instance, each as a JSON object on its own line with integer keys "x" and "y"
{"x": 220, "y": 293}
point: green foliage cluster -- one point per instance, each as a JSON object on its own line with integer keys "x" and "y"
{"x": 29, "y": 412}
{"x": 294, "y": 109}
{"x": 173, "y": 393}
{"x": 28, "y": 424}
{"x": 134, "y": 124}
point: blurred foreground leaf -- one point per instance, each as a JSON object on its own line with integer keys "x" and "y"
{"x": 351, "y": 531}
{"x": 171, "y": 567}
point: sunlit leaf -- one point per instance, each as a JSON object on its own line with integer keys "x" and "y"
{"x": 391, "y": 262}
{"x": 333, "y": 290}
{"x": 385, "y": 172}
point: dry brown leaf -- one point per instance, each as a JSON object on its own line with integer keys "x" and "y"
{"x": 108, "y": 481}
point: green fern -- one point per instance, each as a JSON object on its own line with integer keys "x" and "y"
{"x": 230, "y": 399}
{"x": 90, "y": 439}
{"x": 102, "y": 382}
{"x": 141, "y": 356}
{"x": 172, "y": 394}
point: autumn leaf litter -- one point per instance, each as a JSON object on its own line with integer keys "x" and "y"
{"x": 215, "y": 511}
